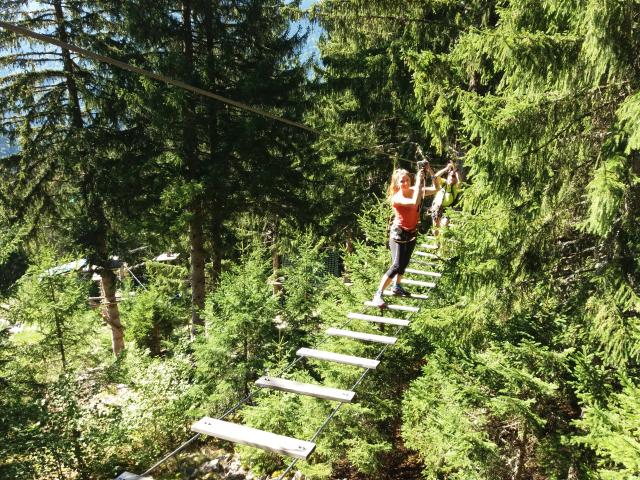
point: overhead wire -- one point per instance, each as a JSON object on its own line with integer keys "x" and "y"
{"x": 18, "y": 30}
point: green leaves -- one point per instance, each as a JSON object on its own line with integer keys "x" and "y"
{"x": 52, "y": 303}
{"x": 629, "y": 118}
{"x": 240, "y": 318}
{"x": 443, "y": 422}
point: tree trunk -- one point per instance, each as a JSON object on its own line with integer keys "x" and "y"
{"x": 276, "y": 259}
{"x": 95, "y": 210}
{"x": 276, "y": 263}
{"x": 246, "y": 364}
{"x": 522, "y": 454}
{"x": 212, "y": 136}
{"x": 349, "y": 244}
{"x": 196, "y": 233}
{"x": 60, "y": 342}
{"x": 111, "y": 313}
{"x": 216, "y": 268}
{"x": 68, "y": 67}
{"x": 155, "y": 340}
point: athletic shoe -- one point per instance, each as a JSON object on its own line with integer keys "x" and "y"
{"x": 398, "y": 290}
{"x": 378, "y": 301}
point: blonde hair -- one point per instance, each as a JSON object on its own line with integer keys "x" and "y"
{"x": 393, "y": 185}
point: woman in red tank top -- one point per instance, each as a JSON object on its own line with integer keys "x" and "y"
{"x": 405, "y": 200}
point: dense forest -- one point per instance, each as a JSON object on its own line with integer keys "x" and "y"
{"x": 161, "y": 250}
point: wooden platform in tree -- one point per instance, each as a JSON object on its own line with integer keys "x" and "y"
{"x": 309, "y": 389}
{"x": 374, "y": 318}
{"x": 367, "y": 337}
{"x": 423, "y": 272}
{"x": 413, "y": 296}
{"x": 338, "y": 358}
{"x": 400, "y": 308}
{"x": 253, "y": 437}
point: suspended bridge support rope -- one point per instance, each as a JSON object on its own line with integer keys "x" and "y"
{"x": 335, "y": 410}
{"x": 24, "y": 32}
{"x": 242, "y": 402}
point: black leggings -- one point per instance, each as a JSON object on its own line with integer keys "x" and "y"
{"x": 400, "y": 256}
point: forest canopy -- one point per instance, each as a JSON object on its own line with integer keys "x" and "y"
{"x": 161, "y": 251}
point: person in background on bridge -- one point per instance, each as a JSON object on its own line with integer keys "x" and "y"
{"x": 448, "y": 191}
{"x": 405, "y": 198}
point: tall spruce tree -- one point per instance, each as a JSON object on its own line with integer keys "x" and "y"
{"x": 80, "y": 173}
{"x": 541, "y": 99}
{"x": 225, "y": 162}
{"x": 365, "y": 94}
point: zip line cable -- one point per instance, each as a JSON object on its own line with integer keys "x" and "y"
{"x": 21, "y": 31}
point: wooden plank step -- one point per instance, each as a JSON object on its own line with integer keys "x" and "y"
{"x": 422, "y": 261}
{"x": 429, "y": 246}
{"x": 418, "y": 283}
{"x": 338, "y": 358}
{"x": 423, "y": 272}
{"x": 374, "y": 318}
{"x": 255, "y": 438}
{"x": 309, "y": 389}
{"x": 367, "y": 337}
{"x": 426, "y": 254}
{"x": 413, "y": 296}
{"x": 400, "y": 308}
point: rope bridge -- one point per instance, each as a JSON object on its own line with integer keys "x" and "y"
{"x": 299, "y": 449}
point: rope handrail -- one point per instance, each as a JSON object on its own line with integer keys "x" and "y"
{"x": 243, "y": 401}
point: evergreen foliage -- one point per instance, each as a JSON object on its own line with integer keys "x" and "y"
{"x": 240, "y": 320}
{"x": 154, "y": 314}
{"x": 611, "y": 430}
{"x": 541, "y": 99}
{"x": 523, "y": 363}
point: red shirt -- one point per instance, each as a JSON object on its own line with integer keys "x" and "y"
{"x": 406, "y": 216}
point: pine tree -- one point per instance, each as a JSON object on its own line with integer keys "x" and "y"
{"x": 240, "y": 318}
{"x": 81, "y": 155}
{"x": 220, "y": 158}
